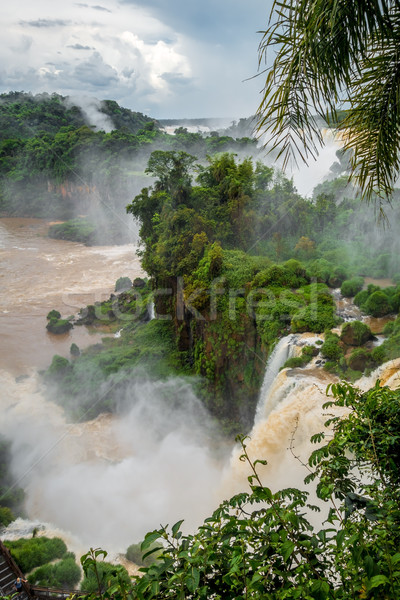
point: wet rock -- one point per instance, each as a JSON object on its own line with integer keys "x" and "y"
{"x": 355, "y": 333}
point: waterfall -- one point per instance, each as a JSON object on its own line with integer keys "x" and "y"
{"x": 283, "y": 350}
{"x": 151, "y": 311}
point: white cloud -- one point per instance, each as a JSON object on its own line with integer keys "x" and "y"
{"x": 134, "y": 54}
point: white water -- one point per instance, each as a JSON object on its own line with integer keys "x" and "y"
{"x": 283, "y": 350}
{"x": 107, "y": 482}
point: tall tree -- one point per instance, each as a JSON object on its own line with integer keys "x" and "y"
{"x": 333, "y": 54}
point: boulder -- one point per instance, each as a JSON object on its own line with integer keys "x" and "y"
{"x": 355, "y": 333}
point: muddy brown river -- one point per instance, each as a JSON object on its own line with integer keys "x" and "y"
{"x": 38, "y": 274}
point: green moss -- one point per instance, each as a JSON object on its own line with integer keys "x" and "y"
{"x": 350, "y": 287}
{"x": 389, "y": 328}
{"x": 58, "y": 326}
{"x": 122, "y": 284}
{"x": 76, "y": 230}
{"x": 355, "y": 333}
{"x": 331, "y": 347}
{"x": 34, "y": 552}
{"x": 377, "y": 304}
{"x": 296, "y": 361}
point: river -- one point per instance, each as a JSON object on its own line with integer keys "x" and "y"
{"x": 109, "y": 481}
{"x": 38, "y": 274}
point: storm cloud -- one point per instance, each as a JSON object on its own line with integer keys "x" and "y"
{"x": 167, "y": 60}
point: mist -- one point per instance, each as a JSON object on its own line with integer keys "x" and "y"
{"x": 109, "y": 481}
{"x": 91, "y": 110}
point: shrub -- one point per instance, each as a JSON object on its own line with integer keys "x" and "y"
{"x": 122, "y": 284}
{"x": 6, "y": 516}
{"x": 59, "y": 366}
{"x": 331, "y": 347}
{"x": 350, "y": 287}
{"x": 107, "y": 573}
{"x": 377, "y": 305}
{"x": 64, "y": 574}
{"x": 378, "y": 355}
{"x": 58, "y": 326}
{"x": 279, "y": 276}
{"x": 74, "y": 350}
{"x": 75, "y": 230}
{"x": 295, "y": 361}
{"x": 135, "y": 554}
{"x": 361, "y": 297}
{"x": 315, "y": 318}
{"x": 53, "y": 314}
{"x": 388, "y": 328}
{"x": 35, "y": 552}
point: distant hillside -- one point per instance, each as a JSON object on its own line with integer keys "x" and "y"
{"x": 238, "y": 129}
{"x": 62, "y": 161}
{"x": 24, "y": 115}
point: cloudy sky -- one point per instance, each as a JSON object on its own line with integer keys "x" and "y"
{"x": 165, "y": 58}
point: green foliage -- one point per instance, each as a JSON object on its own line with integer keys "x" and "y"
{"x": 11, "y": 496}
{"x": 388, "y": 328}
{"x": 58, "y": 326}
{"x": 262, "y": 544}
{"x": 358, "y": 359}
{"x": 296, "y": 361}
{"x": 102, "y": 577}
{"x": 35, "y": 552}
{"x": 355, "y": 333}
{"x": 59, "y": 366}
{"x": 94, "y": 380}
{"x": 361, "y": 297}
{"x": 350, "y": 287}
{"x": 331, "y": 347}
{"x": 6, "y": 516}
{"x": 134, "y": 554}
{"x": 122, "y": 284}
{"x": 281, "y": 276}
{"x": 328, "y": 56}
{"x": 377, "y": 304}
{"x": 74, "y": 350}
{"x": 53, "y": 314}
{"x": 390, "y": 348}
{"x": 64, "y": 574}
{"x": 74, "y": 230}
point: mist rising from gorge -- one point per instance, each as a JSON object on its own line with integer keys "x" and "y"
{"x": 111, "y": 480}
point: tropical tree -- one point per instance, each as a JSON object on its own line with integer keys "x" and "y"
{"x": 333, "y": 54}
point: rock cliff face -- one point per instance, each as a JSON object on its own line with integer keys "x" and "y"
{"x": 228, "y": 353}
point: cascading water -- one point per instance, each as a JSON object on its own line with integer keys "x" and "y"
{"x": 111, "y": 480}
{"x": 283, "y": 350}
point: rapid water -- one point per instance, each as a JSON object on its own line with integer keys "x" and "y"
{"x": 109, "y": 481}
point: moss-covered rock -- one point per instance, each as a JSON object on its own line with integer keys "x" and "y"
{"x": 355, "y": 333}
{"x": 350, "y": 287}
{"x": 122, "y": 284}
{"x": 358, "y": 359}
{"x": 58, "y": 326}
{"x": 377, "y": 304}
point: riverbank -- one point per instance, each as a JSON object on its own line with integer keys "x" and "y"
{"x": 39, "y": 274}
